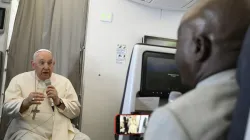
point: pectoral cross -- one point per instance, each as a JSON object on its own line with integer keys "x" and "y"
{"x": 34, "y": 111}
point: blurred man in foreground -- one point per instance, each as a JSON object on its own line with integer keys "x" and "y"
{"x": 209, "y": 43}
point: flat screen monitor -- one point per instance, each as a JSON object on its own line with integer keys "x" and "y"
{"x": 2, "y": 17}
{"x": 160, "y": 75}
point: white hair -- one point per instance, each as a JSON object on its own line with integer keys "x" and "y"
{"x": 41, "y": 50}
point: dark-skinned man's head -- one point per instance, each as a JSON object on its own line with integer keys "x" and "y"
{"x": 210, "y": 38}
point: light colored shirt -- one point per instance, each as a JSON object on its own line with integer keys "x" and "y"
{"x": 204, "y": 113}
{"x": 48, "y": 124}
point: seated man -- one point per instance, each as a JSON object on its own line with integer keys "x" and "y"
{"x": 41, "y": 103}
{"x": 209, "y": 43}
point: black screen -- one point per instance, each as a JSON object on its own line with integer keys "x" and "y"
{"x": 160, "y": 75}
{"x": 2, "y": 16}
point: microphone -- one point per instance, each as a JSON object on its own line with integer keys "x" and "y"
{"x": 48, "y": 83}
{"x": 173, "y": 96}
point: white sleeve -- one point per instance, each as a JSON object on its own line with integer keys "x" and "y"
{"x": 13, "y": 99}
{"x": 72, "y": 105}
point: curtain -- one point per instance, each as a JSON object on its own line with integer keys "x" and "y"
{"x": 26, "y": 37}
{"x": 57, "y": 25}
{"x": 64, "y": 32}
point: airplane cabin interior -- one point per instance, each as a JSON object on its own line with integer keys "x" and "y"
{"x": 118, "y": 55}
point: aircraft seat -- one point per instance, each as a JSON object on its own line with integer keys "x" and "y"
{"x": 240, "y": 126}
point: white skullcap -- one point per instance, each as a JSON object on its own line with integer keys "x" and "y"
{"x": 41, "y": 50}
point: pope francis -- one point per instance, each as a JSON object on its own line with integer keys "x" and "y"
{"x": 41, "y": 103}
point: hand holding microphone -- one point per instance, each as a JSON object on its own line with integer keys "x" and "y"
{"x": 52, "y": 93}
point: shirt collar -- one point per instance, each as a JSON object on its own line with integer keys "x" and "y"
{"x": 218, "y": 78}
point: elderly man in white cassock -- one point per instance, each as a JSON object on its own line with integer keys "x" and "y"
{"x": 42, "y": 103}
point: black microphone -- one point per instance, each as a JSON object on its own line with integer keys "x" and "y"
{"x": 48, "y": 83}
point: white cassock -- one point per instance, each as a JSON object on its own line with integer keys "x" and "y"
{"x": 48, "y": 124}
{"x": 133, "y": 125}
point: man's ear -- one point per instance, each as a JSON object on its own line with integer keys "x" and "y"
{"x": 202, "y": 48}
{"x": 33, "y": 64}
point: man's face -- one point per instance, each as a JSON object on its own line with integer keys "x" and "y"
{"x": 43, "y": 65}
{"x": 184, "y": 59}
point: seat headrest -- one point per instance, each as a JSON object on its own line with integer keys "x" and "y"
{"x": 240, "y": 115}
{"x": 244, "y": 61}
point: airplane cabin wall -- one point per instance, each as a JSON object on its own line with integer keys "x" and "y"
{"x": 104, "y": 79}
